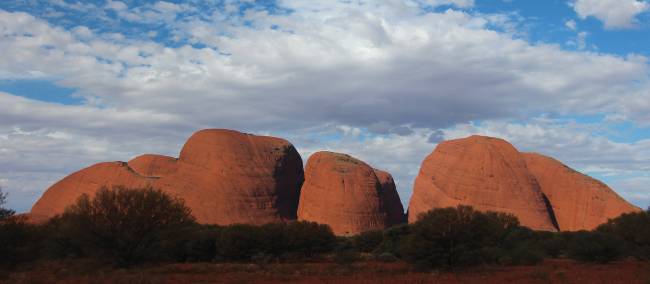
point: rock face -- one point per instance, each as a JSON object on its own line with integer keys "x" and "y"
{"x": 579, "y": 201}
{"x": 346, "y": 194}
{"x": 486, "y": 173}
{"x": 87, "y": 181}
{"x": 393, "y": 203}
{"x": 224, "y": 176}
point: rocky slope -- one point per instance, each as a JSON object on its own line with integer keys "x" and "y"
{"x": 346, "y": 194}
{"x": 579, "y": 201}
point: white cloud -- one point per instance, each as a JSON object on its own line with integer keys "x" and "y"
{"x": 613, "y": 13}
{"x": 329, "y": 68}
{"x": 571, "y": 24}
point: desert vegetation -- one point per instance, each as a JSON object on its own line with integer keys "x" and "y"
{"x": 124, "y": 227}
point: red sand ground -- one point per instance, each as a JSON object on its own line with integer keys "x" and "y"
{"x": 551, "y": 271}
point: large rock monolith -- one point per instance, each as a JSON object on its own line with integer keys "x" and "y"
{"x": 346, "y": 194}
{"x": 486, "y": 173}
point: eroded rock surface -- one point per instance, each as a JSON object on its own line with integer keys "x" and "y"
{"x": 224, "y": 176}
{"x": 486, "y": 173}
{"x": 579, "y": 201}
{"x": 346, "y": 194}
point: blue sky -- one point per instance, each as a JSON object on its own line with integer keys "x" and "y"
{"x": 90, "y": 81}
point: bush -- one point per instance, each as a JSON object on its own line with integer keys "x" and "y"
{"x": 18, "y": 240}
{"x": 595, "y": 247}
{"x": 393, "y": 238}
{"x": 634, "y": 230}
{"x": 298, "y": 239}
{"x": 455, "y": 237}
{"x": 368, "y": 241}
{"x": 198, "y": 245}
{"x": 126, "y": 226}
{"x": 4, "y": 213}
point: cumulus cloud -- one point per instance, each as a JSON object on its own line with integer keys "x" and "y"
{"x": 384, "y": 81}
{"x": 613, "y": 13}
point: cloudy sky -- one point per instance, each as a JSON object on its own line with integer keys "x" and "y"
{"x": 89, "y": 81}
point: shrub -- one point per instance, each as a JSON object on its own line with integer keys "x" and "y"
{"x": 368, "y": 241}
{"x": 127, "y": 226}
{"x": 296, "y": 239}
{"x": 595, "y": 247}
{"x": 4, "y": 213}
{"x": 393, "y": 238}
{"x": 454, "y": 237}
{"x": 198, "y": 245}
{"x": 18, "y": 240}
{"x": 239, "y": 242}
{"x": 308, "y": 238}
{"x": 634, "y": 230}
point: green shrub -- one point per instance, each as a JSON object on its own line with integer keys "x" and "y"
{"x": 595, "y": 247}
{"x": 293, "y": 240}
{"x": 455, "y": 237}
{"x": 634, "y": 230}
{"x": 393, "y": 238}
{"x": 19, "y": 241}
{"x": 368, "y": 241}
{"x": 125, "y": 226}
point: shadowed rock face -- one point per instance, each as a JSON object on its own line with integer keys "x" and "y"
{"x": 224, "y": 176}
{"x": 392, "y": 202}
{"x": 346, "y": 194}
{"x": 486, "y": 173}
{"x": 579, "y": 201}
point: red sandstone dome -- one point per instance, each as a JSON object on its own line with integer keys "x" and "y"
{"x": 346, "y": 194}
{"x": 486, "y": 173}
{"x": 224, "y": 176}
{"x": 579, "y": 201}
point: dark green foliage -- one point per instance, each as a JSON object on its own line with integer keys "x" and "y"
{"x": 345, "y": 252}
{"x": 595, "y": 247}
{"x": 4, "y": 213}
{"x": 308, "y": 238}
{"x": 198, "y": 245}
{"x": 634, "y": 230}
{"x": 293, "y": 240}
{"x": 368, "y": 241}
{"x": 18, "y": 240}
{"x": 456, "y": 237}
{"x": 127, "y": 226}
{"x": 393, "y": 238}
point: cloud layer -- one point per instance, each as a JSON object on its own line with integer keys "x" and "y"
{"x": 384, "y": 81}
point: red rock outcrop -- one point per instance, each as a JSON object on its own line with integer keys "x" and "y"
{"x": 486, "y": 173}
{"x": 579, "y": 201}
{"x": 346, "y": 194}
{"x": 392, "y": 202}
{"x": 86, "y": 181}
{"x": 224, "y": 176}
{"x": 153, "y": 165}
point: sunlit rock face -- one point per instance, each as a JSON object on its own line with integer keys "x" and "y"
{"x": 346, "y": 194}
{"x": 486, "y": 173}
{"x": 224, "y": 176}
{"x": 579, "y": 201}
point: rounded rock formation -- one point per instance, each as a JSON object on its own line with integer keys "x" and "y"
{"x": 229, "y": 177}
{"x": 87, "y": 181}
{"x": 579, "y": 201}
{"x": 223, "y": 176}
{"x": 153, "y": 165}
{"x": 344, "y": 193}
{"x": 486, "y": 173}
